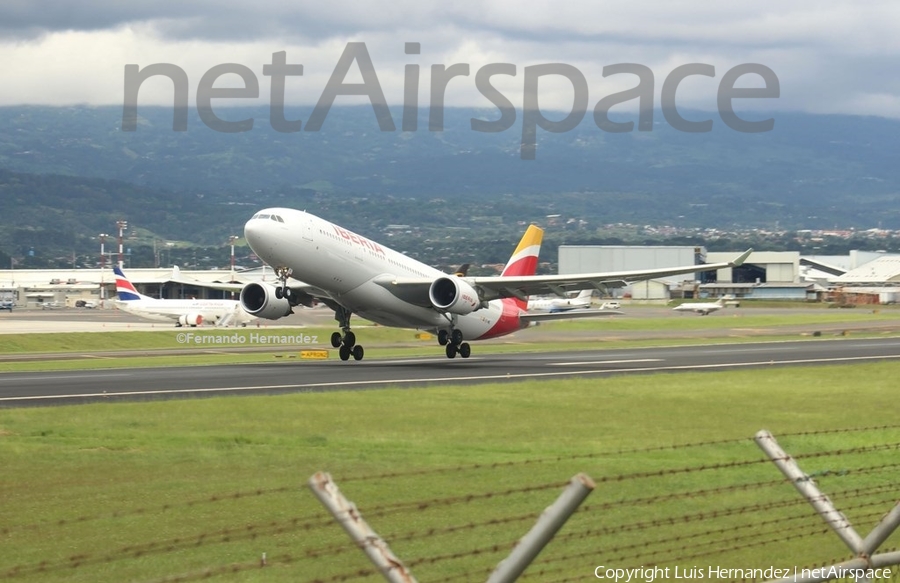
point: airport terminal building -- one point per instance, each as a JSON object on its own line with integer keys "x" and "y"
{"x": 860, "y": 277}
{"x": 51, "y": 288}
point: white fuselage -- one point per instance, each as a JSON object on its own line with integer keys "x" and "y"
{"x": 560, "y": 304}
{"x": 700, "y": 308}
{"x": 167, "y": 310}
{"x": 347, "y": 267}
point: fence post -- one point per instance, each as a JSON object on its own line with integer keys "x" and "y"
{"x": 346, "y": 513}
{"x": 807, "y": 487}
{"x": 550, "y": 521}
{"x": 864, "y": 550}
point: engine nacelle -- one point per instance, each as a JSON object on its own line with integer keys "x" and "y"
{"x": 190, "y": 320}
{"x": 259, "y": 300}
{"x": 453, "y": 295}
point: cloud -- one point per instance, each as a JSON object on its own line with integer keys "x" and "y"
{"x": 835, "y": 57}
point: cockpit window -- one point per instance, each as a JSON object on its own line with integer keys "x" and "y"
{"x": 267, "y": 216}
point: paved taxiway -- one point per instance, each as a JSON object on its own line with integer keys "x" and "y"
{"x": 22, "y": 389}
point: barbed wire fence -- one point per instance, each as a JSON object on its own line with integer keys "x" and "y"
{"x": 729, "y": 512}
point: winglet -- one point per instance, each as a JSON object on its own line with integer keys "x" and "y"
{"x": 740, "y": 260}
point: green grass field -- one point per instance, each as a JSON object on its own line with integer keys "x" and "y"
{"x": 167, "y": 339}
{"x": 380, "y": 342}
{"x": 200, "y": 489}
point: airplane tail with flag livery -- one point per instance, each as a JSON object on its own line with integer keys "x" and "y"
{"x": 125, "y": 291}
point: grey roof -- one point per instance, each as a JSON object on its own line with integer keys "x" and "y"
{"x": 882, "y": 270}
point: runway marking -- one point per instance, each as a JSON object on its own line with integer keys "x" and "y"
{"x": 420, "y": 360}
{"x": 593, "y": 362}
{"x": 69, "y": 376}
{"x": 495, "y": 377}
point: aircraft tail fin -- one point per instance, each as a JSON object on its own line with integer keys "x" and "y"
{"x": 125, "y": 291}
{"x": 524, "y": 259}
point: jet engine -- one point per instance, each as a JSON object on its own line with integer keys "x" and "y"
{"x": 259, "y": 300}
{"x": 190, "y": 320}
{"x": 453, "y": 295}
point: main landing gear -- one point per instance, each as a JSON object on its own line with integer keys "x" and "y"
{"x": 283, "y": 291}
{"x": 453, "y": 340}
{"x": 346, "y": 342}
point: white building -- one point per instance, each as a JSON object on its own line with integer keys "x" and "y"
{"x": 64, "y": 287}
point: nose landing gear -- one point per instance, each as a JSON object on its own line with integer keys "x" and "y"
{"x": 283, "y": 291}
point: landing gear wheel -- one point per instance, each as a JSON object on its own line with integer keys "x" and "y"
{"x": 345, "y": 340}
{"x": 456, "y": 336}
{"x": 451, "y": 351}
{"x": 283, "y": 274}
{"x": 443, "y": 337}
{"x": 465, "y": 350}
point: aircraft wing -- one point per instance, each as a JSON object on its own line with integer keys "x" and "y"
{"x": 526, "y": 285}
{"x": 415, "y": 291}
{"x": 546, "y": 316}
{"x": 176, "y": 277}
{"x": 300, "y": 289}
{"x": 235, "y": 287}
{"x": 306, "y": 294}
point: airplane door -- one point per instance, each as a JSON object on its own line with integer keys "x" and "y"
{"x": 306, "y": 228}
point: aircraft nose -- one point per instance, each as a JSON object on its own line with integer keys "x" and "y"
{"x": 255, "y": 234}
{"x": 266, "y": 233}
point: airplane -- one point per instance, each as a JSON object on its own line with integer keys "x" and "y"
{"x": 581, "y": 301}
{"x": 702, "y": 308}
{"x": 183, "y": 312}
{"x": 352, "y": 274}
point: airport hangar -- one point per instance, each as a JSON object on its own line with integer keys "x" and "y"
{"x": 765, "y": 274}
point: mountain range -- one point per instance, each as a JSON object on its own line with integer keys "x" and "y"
{"x": 71, "y": 172}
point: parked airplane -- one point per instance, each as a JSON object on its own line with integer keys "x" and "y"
{"x": 581, "y": 301}
{"x": 183, "y": 312}
{"x": 355, "y": 275}
{"x": 702, "y": 308}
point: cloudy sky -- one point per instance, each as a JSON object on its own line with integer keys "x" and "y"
{"x": 837, "y": 56}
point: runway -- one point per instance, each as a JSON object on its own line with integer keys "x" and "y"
{"x": 55, "y": 388}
